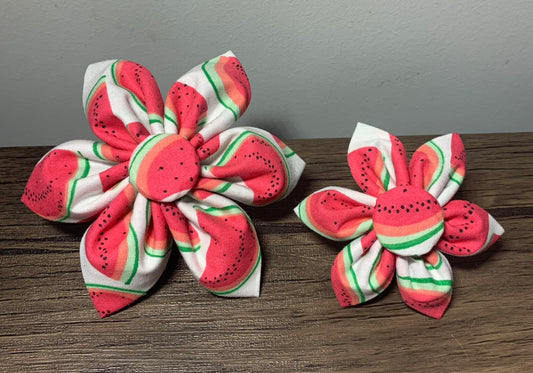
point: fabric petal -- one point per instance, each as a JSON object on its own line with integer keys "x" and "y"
{"x": 248, "y": 165}
{"x": 337, "y": 213}
{"x": 208, "y": 99}
{"x": 361, "y": 271}
{"x": 377, "y": 160}
{"x": 468, "y": 229}
{"x": 218, "y": 242}
{"x": 122, "y": 102}
{"x": 425, "y": 282}
{"x": 185, "y": 110}
{"x": 76, "y": 180}
{"x": 124, "y": 252}
{"x": 439, "y": 166}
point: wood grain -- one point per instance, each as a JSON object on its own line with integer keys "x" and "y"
{"x": 47, "y": 321}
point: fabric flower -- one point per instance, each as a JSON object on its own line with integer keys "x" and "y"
{"x": 162, "y": 171}
{"x": 402, "y": 222}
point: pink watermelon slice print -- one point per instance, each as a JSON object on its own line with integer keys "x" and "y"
{"x": 468, "y": 229}
{"x": 183, "y": 232}
{"x": 425, "y": 283}
{"x": 369, "y": 170}
{"x": 48, "y": 192}
{"x": 408, "y": 220}
{"x": 233, "y": 252}
{"x": 230, "y": 82}
{"x": 105, "y": 125}
{"x": 186, "y": 108}
{"x": 164, "y": 167}
{"x": 138, "y": 80}
{"x": 333, "y": 214}
{"x": 349, "y": 285}
{"x": 111, "y": 244}
{"x": 260, "y": 165}
{"x": 108, "y": 300}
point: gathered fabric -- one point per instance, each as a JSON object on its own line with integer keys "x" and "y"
{"x": 401, "y": 222}
{"x": 164, "y": 174}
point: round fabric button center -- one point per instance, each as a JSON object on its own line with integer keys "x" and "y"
{"x": 408, "y": 220}
{"x": 164, "y": 167}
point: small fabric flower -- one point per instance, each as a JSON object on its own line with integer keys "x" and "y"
{"x": 402, "y": 222}
{"x": 162, "y": 172}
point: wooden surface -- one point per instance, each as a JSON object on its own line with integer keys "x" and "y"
{"x": 47, "y": 321}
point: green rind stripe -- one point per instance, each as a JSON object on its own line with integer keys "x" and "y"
{"x": 220, "y": 211}
{"x": 135, "y": 98}
{"x": 114, "y": 72}
{"x": 139, "y": 156}
{"x": 456, "y": 178}
{"x": 242, "y": 283}
{"x": 150, "y": 251}
{"x": 438, "y": 173}
{"x": 133, "y": 256}
{"x": 350, "y": 273}
{"x": 435, "y": 267}
{"x": 201, "y": 124}
{"x": 362, "y": 228}
{"x": 425, "y": 280}
{"x": 288, "y": 152}
{"x": 155, "y": 253}
{"x": 169, "y": 114}
{"x": 426, "y": 283}
{"x": 385, "y": 177}
{"x": 209, "y": 70}
{"x": 97, "y": 150}
{"x": 137, "y": 101}
{"x": 154, "y": 118}
{"x": 234, "y": 146}
{"x": 429, "y": 266}
{"x": 223, "y": 187}
{"x": 187, "y": 248}
{"x": 93, "y": 89}
{"x": 148, "y": 212}
{"x": 372, "y": 281}
{"x": 83, "y": 171}
{"x": 302, "y": 214}
{"x": 418, "y": 238}
{"x": 107, "y": 287}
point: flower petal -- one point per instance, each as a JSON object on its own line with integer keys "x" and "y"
{"x": 249, "y": 165}
{"x": 439, "y": 166}
{"x": 208, "y": 99}
{"x": 122, "y": 102}
{"x": 468, "y": 229}
{"x": 337, "y": 213}
{"x": 425, "y": 282}
{"x": 361, "y": 271}
{"x": 218, "y": 242}
{"x": 124, "y": 252}
{"x": 377, "y": 160}
{"x": 76, "y": 180}
{"x": 185, "y": 110}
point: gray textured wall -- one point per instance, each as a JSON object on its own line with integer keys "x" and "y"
{"x": 316, "y": 67}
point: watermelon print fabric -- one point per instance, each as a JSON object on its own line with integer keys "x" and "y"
{"x": 402, "y": 222}
{"x": 164, "y": 172}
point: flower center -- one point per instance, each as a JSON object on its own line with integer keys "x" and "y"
{"x": 164, "y": 167}
{"x": 408, "y": 220}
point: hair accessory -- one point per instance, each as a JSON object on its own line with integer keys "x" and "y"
{"x": 164, "y": 170}
{"x": 402, "y": 222}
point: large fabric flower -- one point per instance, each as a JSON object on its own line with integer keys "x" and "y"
{"x": 164, "y": 170}
{"x": 402, "y": 222}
